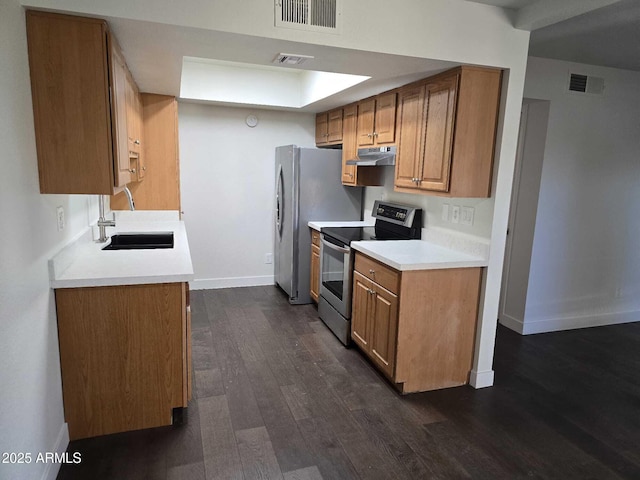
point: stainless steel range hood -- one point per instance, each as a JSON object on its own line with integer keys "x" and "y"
{"x": 374, "y": 157}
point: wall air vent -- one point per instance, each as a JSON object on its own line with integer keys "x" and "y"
{"x": 586, "y": 84}
{"x": 311, "y": 15}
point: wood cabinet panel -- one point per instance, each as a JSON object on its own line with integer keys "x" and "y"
{"x": 438, "y": 134}
{"x": 119, "y": 108}
{"x": 377, "y": 272}
{"x": 322, "y": 128}
{"x": 314, "y": 281}
{"x": 411, "y": 103}
{"x": 329, "y": 128}
{"x": 360, "y": 323}
{"x": 423, "y": 338}
{"x": 377, "y": 120}
{"x": 349, "y": 144}
{"x": 385, "y": 121}
{"x": 71, "y": 107}
{"x": 384, "y": 329}
{"x": 366, "y": 123}
{"x": 122, "y": 356}
{"x": 457, "y": 134}
{"x": 438, "y": 311}
{"x": 161, "y": 187}
{"x": 334, "y": 129}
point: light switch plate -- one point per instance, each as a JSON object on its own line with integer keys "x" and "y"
{"x": 60, "y": 218}
{"x": 455, "y": 214}
{"x": 268, "y": 258}
{"x": 467, "y": 215}
{"x": 445, "y": 212}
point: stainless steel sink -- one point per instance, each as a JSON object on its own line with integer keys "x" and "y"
{"x": 140, "y": 241}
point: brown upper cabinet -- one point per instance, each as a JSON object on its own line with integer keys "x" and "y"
{"x": 79, "y": 90}
{"x": 329, "y": 128}
{"x": 351, "y": 174}
{"x": 446, "y": 134}
{"x": 377, "y": 120}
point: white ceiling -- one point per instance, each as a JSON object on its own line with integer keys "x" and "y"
{"x": 603, "y": 36}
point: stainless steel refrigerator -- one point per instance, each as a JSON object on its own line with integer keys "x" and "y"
{"x": 308, "y": 187}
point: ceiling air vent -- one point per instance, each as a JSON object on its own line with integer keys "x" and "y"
{"x": 310, "y": 15}
{"x": 289, "y": 59}
{"x": 586, "y": 84}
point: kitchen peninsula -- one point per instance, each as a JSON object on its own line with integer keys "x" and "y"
{"x": 124, "y": 329}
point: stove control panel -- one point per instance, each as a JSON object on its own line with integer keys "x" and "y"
{"x": 394, "y": 213}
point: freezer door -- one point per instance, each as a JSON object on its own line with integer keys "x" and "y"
{"x": 284, "y": 218}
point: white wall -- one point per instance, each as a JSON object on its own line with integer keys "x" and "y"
{"x": 585, "y": 263}
{"x": 227, "y": 179}
{"x": 31, "y": 413}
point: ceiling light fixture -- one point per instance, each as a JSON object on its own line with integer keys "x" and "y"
{"x": 291, "y": 59}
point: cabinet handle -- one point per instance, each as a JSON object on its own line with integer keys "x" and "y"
{"x": 137, "y": 142}
{"x": 375, "y": 134}
{"x": 372, "y": 271}
{"x": 369, "y": 135}
{"x": 144, "y": 169}
{"x": 351, "y": 175}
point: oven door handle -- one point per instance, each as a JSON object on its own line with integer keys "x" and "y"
{"x": 335, "y": 247}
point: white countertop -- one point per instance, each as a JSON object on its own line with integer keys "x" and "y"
{"x": 355, "y": 223}
{"x": 417, "y": 255}
{"x": 84, "y": 264}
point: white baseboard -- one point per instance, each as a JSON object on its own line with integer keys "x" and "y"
{"x": 584, "y": 321}
{"x": 214, "y": 283}
{"x": 511, "y": 323}
{"x": 62, "y": 442}
{"x": 568, "y": 323}
{"x": 481, "y": 379}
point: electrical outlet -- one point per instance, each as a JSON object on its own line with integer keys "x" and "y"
{"x": 467, "y": 215}
{"x": 445, "y": 212}
{"x": 268, "y": 258}
{"x": 455, "y": 214}
{"x": 60, "y": 217}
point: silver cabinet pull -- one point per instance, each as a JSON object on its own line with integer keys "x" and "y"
{"x": 137, "y": 142}
{"x": 372, "y": 271}
{"x": 132, "y": 170}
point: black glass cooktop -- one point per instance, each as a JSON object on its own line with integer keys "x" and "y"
{"x": 346, "y": 235}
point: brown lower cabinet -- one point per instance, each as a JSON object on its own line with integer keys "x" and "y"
{"x": 418, "y": 327}
{"x": 125, "y": 356}
{"x": 314, "y": 281}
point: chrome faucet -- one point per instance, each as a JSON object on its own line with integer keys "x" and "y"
{"x": 103, "y": 223}
{"x": 132, "y": 207}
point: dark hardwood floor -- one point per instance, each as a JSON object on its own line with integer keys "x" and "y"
{"x": 277, "y": 396}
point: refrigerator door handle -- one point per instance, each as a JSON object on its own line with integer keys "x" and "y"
{"x": 279, "y": 206}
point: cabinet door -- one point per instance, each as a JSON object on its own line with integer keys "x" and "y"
{"x": 366, "y": 118}
{"x": 122, "y": 356}
{"x": 322, "y": 128}
{"x": 410, "y": 134}
{"x": 360, "y": 324}
{"x": 349, "y": 144}
{"x": 334, "y": 129}
{"x": 315, "y": 272}
{"x": 384, "y": 328}
{"x": 438, "y": 139}
{"x": 119, "y": 114}
{"x": 70, "y": 92}
{"x": 385, "y": 119}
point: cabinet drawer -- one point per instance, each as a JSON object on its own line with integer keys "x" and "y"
{"x": 379, "y": 273}
{"x": 315, "y": 237}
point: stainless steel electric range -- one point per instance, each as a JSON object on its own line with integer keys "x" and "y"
{"x": 393, "y": 222}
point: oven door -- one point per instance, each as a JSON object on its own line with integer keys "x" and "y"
{"x": 336, "y": 268}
